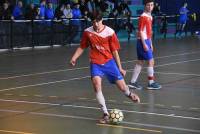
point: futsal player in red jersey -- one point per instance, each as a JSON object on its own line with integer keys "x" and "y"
{"x": 104, "y": 60}
{"x": 145, "y": 48}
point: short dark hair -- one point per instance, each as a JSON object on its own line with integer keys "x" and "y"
{"x": 96, "y": 16}
{"x": 148, "y": 1}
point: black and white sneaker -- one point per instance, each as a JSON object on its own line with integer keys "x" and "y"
{"x": 135, "y": 85}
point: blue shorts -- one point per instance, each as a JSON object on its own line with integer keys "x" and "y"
{"x": 141, "y": 54}
{"x": 182, "y": 20}
{"x": 109, "y": 69}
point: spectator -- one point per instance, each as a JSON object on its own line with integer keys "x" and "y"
{"x": 91, "y": 6}
{"x": 49, "y": 12}
{"x": 164, "y": 25}
{"x": 182, "y": 19}
{"x": 59, "y": 12}
{"x": 110, "y": 4}
{"x": 42, "y": 9}
{"x": 156, "y": 9}
{"x": 112, "y": 22}
{"x": 86, "y": 17}
{"x": 18, "y": 13}
{"x": 67, "y": 14}
{"x": 129, "y": 27}
{"x": 37, "y": 10}
{"x": 83, "y": 6}
{"x": 75, "y": 22}
{"x": 100, "y": 5}
{"x": 30, "y": 13}
{"x": 5, "y": 13}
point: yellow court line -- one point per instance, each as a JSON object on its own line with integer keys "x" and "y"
{"x": 131, "y": 128}
{"x": 14, "y": 132}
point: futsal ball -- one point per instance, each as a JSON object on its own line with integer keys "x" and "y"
{"x": 116, "y": 116}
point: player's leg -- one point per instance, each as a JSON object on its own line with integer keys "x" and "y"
{"x": 183, "y": 28}
{"x": 150, "y": 72}
{"x": 96, "y": 81}
{"x": 96, "y": 75}
{"x": 137, "y": 69}
{"x": 178, "y": 28}
{"x": 113, "y": 74}
{"x": 125, "y": 89}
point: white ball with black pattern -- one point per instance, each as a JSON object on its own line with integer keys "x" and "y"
{"x": 116, "y": 116}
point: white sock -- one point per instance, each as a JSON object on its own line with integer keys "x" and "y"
{"x": 150, "y": 73}
{"x": 101, "y": 100}
{"x": 136, "y": 73}
{"x": 127, "y": 91}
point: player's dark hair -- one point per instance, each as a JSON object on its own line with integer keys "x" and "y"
{"x": 96, "y": 16}
{"x": 148, "y": 1}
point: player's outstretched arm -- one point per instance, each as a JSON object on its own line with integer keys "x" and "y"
{"x": 76, "y": 55}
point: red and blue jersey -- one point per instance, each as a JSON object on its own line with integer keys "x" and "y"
{"x": 145, "y": 26}
{"x": 102, "y": 44}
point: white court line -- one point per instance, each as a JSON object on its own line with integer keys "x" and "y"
{"x": 96, "y": 108}
{"x": 14, "y": 132}
{"x": 63, "y": 70}
{"x": 79, "y": 78}
{"x": 167, "y": 73}
{"x": 87, "y": 118}
{"x": 48, "y": 72}
{"x": 46, "y": 83}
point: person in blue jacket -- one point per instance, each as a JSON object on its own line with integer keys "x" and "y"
{"x": 183, "y": 17}
{"x": 17, "y": 13}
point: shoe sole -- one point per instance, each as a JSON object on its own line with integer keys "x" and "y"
{"x": 154, "y": 88}
{"x": 134, "y": 87}
{"x": 104, "y": 122}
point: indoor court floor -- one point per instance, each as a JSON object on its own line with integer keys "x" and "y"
{"x": 41, "y": 94}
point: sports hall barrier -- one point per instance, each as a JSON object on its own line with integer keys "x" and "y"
{"x": 34, "y": 33}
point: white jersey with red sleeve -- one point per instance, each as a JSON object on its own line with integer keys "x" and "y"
{"x": 101, "y": 44}
{"x": 145, "y": 26}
